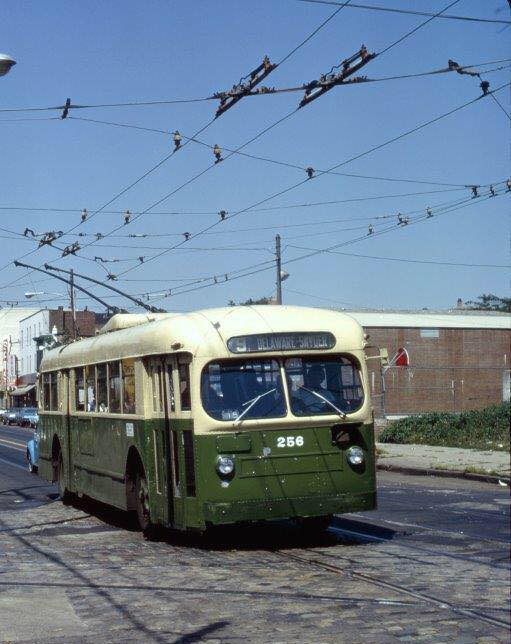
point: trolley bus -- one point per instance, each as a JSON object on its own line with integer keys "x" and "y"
{"x": 213, "y": 417}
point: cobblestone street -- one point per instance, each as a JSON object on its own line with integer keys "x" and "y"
{"x": 72, "y": 577}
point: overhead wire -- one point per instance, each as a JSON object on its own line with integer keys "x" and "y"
{"x": 398, "y": 41}
{"x": 263, "y": 266}
{"x": 196, "y": 134}
{"x": 301, "y": 168}
{"x": 251, "y": 140}
{"x": 216, "y": 279}
{"x": 501, "y": 106}
{"x": 254, "y": 93}
{"x": 300, "y": 183}
{"x": 409, "y": 261}
{"x": 409, "y": 12}
{"x": 422, "y": 24}
{"x": 327, "y": 249}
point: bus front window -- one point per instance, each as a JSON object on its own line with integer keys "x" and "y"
{"x": 247, "y": 388}
{"x": 322, "y": 385}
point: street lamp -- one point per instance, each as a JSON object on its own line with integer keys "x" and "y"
{"x": 6, "y": 62}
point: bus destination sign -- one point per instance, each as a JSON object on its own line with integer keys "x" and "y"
{"x": 281, "y": 342}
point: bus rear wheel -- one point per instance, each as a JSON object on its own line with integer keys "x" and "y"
{"x": 142, "y": 506}
{"x": 65, "y": 495}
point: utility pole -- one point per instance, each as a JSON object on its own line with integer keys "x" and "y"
{"x": 279, "y": 271}
{"x": 72, "y": 298}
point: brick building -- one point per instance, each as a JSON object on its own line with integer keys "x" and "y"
{"x": 457, "y": 361}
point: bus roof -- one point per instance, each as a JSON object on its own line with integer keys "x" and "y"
{"x": 203, "y": 334}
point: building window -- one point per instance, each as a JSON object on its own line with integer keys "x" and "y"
{"x": 430, "y": 333}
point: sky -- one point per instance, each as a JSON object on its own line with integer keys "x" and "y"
{"x": 99, "y": 53}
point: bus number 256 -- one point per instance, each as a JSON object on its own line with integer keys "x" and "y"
{"x": 290, "y": 441}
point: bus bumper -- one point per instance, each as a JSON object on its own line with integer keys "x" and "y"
{"x": 287, "y": 508}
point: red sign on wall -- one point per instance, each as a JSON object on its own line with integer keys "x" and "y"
{"x": 401, "y": 359}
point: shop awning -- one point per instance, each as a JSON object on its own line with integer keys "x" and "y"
{"x": 21, "y": 391}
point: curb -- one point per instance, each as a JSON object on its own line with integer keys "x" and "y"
{"x": 471, "y": 476}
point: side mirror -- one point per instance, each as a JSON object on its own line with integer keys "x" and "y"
{"x": 383, "y": 355}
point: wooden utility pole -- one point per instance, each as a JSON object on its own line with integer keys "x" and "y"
{"x": 72, "y": 298}
{"x": 279, "y": 270}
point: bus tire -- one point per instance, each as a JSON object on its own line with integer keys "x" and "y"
{"x": 142, "y": 505}
{"x": 315, "y": 525}
{"x": 65, "y": 495}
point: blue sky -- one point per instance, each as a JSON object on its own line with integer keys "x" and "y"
{"x": 108, "y": 52}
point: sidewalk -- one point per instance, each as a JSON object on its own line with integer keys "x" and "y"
{"x": 444, "y": 461}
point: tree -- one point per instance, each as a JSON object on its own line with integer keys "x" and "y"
{"x": 490, "y": 302}
{"x": 251, "y": 302}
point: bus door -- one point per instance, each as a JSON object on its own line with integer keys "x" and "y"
{"x": 173, "y": 442}
{"x": 65, "y": 388}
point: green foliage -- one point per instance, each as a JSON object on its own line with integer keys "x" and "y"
{"x": 251, "y": 302}
{"x": 479, "y": 429}
{"x": 490, "y": 302}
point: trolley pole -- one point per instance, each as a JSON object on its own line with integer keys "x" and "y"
{"x": 279, "y": 271}
{"x": 72, "y": 298}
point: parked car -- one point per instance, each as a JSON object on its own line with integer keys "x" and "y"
{"x": 12, "y": 416}
{"x": 29, "y": 417}
{"x": 33, "y": 453}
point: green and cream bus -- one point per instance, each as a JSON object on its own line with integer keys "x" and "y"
{"x": 213, "y": 417}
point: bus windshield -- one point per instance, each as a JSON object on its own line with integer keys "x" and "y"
{"x": 321, "y": 385}
{"x": 245, "y": 389}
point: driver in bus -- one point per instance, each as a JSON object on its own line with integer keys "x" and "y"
{"x": 313, "y": 382}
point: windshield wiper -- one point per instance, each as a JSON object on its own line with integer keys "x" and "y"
{"x": 315, "y": 393}
{"x": 251, "y": 403}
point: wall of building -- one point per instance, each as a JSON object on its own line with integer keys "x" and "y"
{"x": 29, "y": 328}
{"x": 10, "y": 347}
{"x": 451, "y": 369}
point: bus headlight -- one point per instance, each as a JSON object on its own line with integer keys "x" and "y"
{"x": 355, "y": 455}
{"x": 224, "y": 465}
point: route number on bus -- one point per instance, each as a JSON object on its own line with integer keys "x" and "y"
{"x": 290, "y": 441}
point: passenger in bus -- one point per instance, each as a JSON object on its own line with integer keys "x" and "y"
{"x": 129, "y": 403}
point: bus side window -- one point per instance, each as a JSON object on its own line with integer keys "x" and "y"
{"x": 79, "y": 390}
{"x": 46, "y": 391}
{"x": 156, "y": 372}
{"x": 101, "y": 374}
{"x": 184, "y": 386}
{"x": 90, "y": 380}
{"x": 54, "y": 391}
{"x": 170, "y": 391}
{"x": 128, "y": 386}
{"x": 114, "y": 387}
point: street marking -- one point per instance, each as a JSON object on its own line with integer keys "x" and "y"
{"x": 20, "y": 467}
{"x": 20, "y": 446}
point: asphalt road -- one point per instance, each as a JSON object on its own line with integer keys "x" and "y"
{"x": 431, "y": 565}
{"x": 19, "y": 489}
